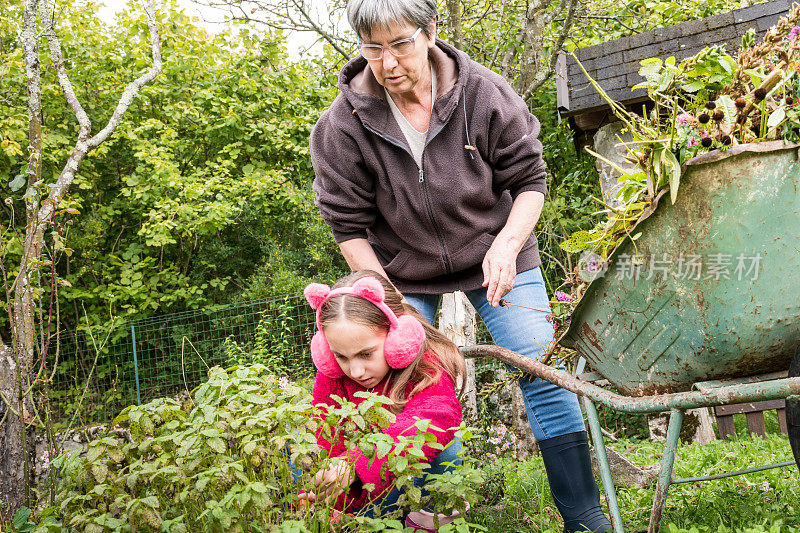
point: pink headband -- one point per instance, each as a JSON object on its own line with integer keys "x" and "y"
{"x": 403, "y": 340}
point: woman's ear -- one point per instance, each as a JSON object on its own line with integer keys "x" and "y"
{"x": 432, "y": 31}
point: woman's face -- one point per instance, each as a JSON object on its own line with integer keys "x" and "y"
{"x": 399, "y": 74}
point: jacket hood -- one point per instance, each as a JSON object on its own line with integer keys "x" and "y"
{"x": 360, "y": 88}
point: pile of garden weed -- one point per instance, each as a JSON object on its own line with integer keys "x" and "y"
{"x": 710, "y": 101}
{"x": 223, "y": 459}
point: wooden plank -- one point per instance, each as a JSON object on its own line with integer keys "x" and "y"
{"x": 755, "y": 423}
{"x": 593, "y": 121}
{"x": 562, "y": 83}
{"x": 742, "y": 408}
{"x": 765, "y": 23}
{"x": 782, "y": 421}
{"x": 761, "y": 10}
{"x": 725, "y": 426}
{"x": 720, "y": 21}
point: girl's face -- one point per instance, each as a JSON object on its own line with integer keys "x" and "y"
{"x": 359, "y": 351}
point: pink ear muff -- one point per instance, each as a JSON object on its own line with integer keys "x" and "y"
{"x": 369, "y": 289}
{"x": 316, "y": 294}
{"x": 323, "y": 357}
{"x": 403, "y": 342}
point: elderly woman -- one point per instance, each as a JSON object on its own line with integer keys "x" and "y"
{"x": 428, "y": 169}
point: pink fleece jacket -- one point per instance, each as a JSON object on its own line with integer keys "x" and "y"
{"x": 437, "y": 403}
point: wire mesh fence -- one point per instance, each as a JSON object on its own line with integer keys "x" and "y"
{"x": 101, "y": 372}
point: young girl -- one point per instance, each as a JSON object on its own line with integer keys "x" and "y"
{"x": 368, "y": 339}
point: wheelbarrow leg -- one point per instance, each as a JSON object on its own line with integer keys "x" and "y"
{"x": 602, "y": 464}
{"x": 665, "y": 475}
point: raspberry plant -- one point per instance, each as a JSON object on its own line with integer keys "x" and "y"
{"x": 222, "y": 461}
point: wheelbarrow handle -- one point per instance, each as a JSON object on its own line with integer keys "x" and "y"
{"x": 726, "y": 394}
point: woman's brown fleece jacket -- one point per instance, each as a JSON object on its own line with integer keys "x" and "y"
{"x": 432, "y": 226}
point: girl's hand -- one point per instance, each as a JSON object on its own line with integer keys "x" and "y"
{"x": 333, "y": 480}
{"x": 305, "y": 499}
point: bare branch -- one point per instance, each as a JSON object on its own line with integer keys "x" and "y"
{"x": 290, "y": 15}
{"x": 491, "y": 64}
{"x": 63, "y": 78}
{"x": 555, "y": 13}
{"x": 509, "y": 57}
{"x": 565, "y": 29}
{"x": 84, "y": 144}
{"x": 325, "y": 35}
{"x": 133, "y": 88}
{"x": 618, "y": 20}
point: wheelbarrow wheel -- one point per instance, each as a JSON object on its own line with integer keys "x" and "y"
{"x": 793, "y": 411}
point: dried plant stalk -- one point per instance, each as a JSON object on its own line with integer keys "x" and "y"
{"x": 756, "y": 56}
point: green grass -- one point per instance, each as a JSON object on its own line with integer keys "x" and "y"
{"x": 517, "y": 497}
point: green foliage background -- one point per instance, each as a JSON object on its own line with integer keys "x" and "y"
{"x": 203, "y": 193}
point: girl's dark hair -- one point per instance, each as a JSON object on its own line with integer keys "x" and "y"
{"x": 422, "y": 372}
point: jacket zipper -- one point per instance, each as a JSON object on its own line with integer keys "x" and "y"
{"x": 425, "y": 195}
{"x": 445, "y": 259}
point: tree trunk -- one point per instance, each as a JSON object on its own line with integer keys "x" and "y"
{"x": 454, "y": 23}
{"x": 532, "y": 43}
{"x": 12, "y": 460}
{"x": 17, "y": 361}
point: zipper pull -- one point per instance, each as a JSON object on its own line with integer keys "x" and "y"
{"x": 421, "y": 176}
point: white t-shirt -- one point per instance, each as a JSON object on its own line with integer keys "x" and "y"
{"x": 416, "y": 139}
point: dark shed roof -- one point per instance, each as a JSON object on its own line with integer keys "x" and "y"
{"x": 615, "y": 64}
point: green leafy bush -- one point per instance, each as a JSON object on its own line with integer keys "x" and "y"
{"x": 275, "y": 343}
{"x": 222, "y": 461}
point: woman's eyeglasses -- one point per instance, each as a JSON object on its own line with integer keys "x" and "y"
{"x": 400, "y": 48}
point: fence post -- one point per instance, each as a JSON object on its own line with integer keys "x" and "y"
{"x": 457, "y": 322}
{"x": 136, "y": 366}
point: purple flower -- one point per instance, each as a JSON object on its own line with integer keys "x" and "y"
{"x": 793, "y": 33}
{"x": 684, "y": 118}
{"x": 593, "y": 265}
{"x": 563, "y": 297}
{"x": 692, "y": 142}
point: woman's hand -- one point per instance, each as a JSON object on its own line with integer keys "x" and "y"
{"x": 500, "y": 262}
{"x": 334, "y": 480}
{"x": 499, "y": 269}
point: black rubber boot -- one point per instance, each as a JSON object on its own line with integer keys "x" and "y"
{"x": 569, "y": 471}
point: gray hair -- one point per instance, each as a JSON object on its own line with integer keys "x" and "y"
{"x": 366, "y": 15}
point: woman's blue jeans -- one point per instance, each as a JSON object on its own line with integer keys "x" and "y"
{"x": 552, "y": 411}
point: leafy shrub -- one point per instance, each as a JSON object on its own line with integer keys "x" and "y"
{"x": 222, "y": 461}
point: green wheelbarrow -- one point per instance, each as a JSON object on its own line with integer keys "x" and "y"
{"x": 701, "y": 309}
